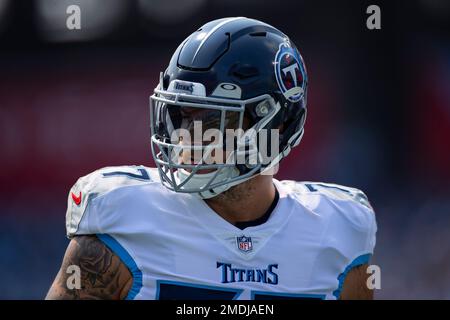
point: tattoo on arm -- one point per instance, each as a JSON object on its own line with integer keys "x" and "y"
{"x": 102, "y": 273}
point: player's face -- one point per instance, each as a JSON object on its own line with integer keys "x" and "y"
{"x": 200, "y": 128}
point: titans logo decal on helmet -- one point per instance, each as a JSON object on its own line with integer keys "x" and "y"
{"x": 289, "y": 72}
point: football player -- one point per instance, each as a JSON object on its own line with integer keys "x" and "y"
{"x": 198, "y": 229}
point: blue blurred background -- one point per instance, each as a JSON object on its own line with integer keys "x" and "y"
{"x": 378, "y": 119}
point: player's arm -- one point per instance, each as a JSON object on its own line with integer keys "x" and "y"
{"x": 355, "y": 285}
{"x": 102, "y": 273}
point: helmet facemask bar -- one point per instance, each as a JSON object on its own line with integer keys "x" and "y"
{"x": 163, "y": 148}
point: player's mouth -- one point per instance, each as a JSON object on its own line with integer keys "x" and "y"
{"x": 194, "y": 159}
{"x": 194, "y": 162}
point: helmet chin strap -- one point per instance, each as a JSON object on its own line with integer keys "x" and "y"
{"x": 199, "y": 180}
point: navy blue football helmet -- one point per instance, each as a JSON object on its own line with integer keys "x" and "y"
{"x": 232, "y": 73}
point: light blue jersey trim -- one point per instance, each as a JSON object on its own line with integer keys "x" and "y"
{"x": 363, "y": 259}
{"x": 126, "y": 258}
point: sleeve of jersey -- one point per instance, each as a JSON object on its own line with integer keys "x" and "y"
{"x": 351, "y": 237}
{"x": 87, "y": 210}
{"x": 78, "y": 201}
{"x": 351, "y": 234}
{"x": 352, "y": 231}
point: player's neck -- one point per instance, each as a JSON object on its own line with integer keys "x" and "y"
{"x": 245, "y": 202}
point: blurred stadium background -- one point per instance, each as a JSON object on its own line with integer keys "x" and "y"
{"x": 379, "y": 118}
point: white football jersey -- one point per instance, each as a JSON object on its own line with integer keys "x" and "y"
{"x": 176, "y": 247}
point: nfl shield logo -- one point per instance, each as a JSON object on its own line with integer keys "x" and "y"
{"x": 244, "y": 243}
